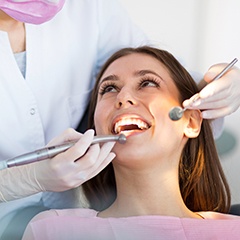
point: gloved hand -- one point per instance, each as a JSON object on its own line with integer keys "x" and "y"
{"x": 76, "y": 165}
{"x": 221, "y": 97}
{"x": 65, "y": 171}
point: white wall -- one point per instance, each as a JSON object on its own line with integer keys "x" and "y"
{"x": 201, "y": 33}
{"x": 168, "y": 23}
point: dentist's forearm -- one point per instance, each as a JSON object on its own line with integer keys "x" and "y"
{"x": 18, "y": 182}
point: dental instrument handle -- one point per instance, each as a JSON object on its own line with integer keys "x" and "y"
{"x": 225, "y": 69}
{"x": 49, "y": 152}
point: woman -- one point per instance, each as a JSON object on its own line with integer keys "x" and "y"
{"x": 165, "y": 180}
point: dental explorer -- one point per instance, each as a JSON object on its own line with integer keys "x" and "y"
{"x": 51, "y": 151}
{"x": 176, "y": 113}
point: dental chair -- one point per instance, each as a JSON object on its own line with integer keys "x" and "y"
{"x": 235, "y": 209}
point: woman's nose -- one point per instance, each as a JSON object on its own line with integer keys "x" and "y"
{"x": 125, "y": 99}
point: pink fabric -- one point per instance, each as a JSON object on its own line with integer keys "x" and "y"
{"x": 84, "y": 224}
{"x": 33, "y": 11}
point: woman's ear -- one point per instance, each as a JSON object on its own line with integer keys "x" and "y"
{"x": 194, "y": 122}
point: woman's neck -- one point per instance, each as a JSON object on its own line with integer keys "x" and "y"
{"x": 15, "y": 30}
{"x": 151, "y": 193}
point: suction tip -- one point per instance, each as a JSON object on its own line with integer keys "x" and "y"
{"x": 122, "y": 139}
{"x": 175, "y": 113}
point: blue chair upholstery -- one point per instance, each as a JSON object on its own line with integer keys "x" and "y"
{"x": 235, "y": 209}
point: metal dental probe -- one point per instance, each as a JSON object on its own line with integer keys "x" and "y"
{"x": 49, "y": 152}
{"x": 176, "y": 113}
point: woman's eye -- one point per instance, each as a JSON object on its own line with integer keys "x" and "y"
{"x": 107, "y": 88}
{"x": 149, "y": 83}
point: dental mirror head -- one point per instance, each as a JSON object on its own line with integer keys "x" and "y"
{"x": 176, "y": 113}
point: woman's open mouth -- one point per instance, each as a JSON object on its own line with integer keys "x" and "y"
{"x": 125, "y": 125}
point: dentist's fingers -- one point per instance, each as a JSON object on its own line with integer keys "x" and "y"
{"x": 74, "y": 166}
{"x": 98, "y": 163}
{"x": 68, "y": 135}
{"x": 91, "y": 163}
{"x": 216, "y": 89}
{"x": 95, "y": 155}
{"x": 104, "y": 163}
{"x": 80, "y": 147}
{"x": 217, "y": 113}
{"x": 221, "y": 97}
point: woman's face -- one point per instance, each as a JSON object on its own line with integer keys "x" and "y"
{"x": 135, "y": 95}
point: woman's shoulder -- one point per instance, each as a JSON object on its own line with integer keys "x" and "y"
{"x": 77, "y": 212}
{"x": 217, "y": 215}
{"x": 80, "y": 212}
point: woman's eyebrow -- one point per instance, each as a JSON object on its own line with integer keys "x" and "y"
{"x": 111, "y": 77}
{"x": 144, "y": 72}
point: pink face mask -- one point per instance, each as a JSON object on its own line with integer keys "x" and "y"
{"x": 31, "y": 11}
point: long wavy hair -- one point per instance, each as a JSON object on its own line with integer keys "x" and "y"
{"x": 201, "y": 178}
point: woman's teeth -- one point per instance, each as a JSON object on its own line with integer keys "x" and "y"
{"x": 129, "y": 124}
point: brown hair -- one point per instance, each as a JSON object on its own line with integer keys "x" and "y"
{"x": 202, "y": 182}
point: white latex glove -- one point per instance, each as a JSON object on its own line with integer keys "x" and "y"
{"x": 18, "y": 182}
{"x": 65, "y": 171}
{"x": 76, "y": 165}
{"x": 221, "y": 97}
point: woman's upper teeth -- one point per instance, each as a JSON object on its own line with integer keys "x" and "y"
{"x": 129, "y": 124}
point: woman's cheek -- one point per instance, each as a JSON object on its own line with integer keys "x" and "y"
{"x": 99, "y": 119}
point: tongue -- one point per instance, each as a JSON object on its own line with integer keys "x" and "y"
{"x": 129, "y": 127}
